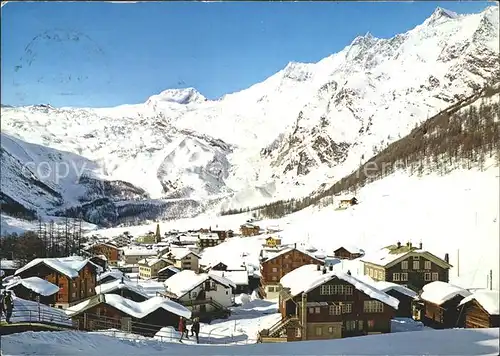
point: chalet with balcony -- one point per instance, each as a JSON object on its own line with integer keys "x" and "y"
{"x": 272, "y": 242}
{"x": 208, "y": 296}
{"x": 481, "y": 309}
{"x": 110, "y": 251}
{"x": 318, "y": 303}
{"x": 112, "y": 311}
{"x": 438, "y": 305}
{"x": 35, "y": 289}
{"x": 125, "y": 288}
{"x": 209, "y": 239}
{"x": 274, "y": 266}
{"x": 406, "y": 265}
{"x": 348, "y": 252}
{"x": 167, "y": 272}
{"x": 75, "y": 276}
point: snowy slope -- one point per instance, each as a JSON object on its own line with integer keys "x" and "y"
{"x": 286, "y": 135}
{"x": 427, "y": 342}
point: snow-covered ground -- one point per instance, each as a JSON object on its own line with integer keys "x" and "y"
{"x": 428, "y": 342}
{"x": 27, "y": 311}
{"x": 456, "y": 214}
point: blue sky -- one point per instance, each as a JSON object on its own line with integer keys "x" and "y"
{"x": 104, "y": 54}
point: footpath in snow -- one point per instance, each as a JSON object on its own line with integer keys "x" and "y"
{"x": 427, "y": 342}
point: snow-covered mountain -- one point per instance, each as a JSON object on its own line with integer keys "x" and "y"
{"x": 308, "y": 124}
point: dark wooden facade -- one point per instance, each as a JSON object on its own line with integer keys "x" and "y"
{"x": 103, "y": 316}
{"x": 129, "y": 294}
{"x": 71, "y": 290}
{"x": 101, "y": 262}
{"x": 413, "y": 270}
{"x": 25, "y": 293}
{"x": 274, "y": 268}
{"x": 444, "y": 316}
{"x": 477, "y": 317}
{"x": 207, "y": 242}
{"x": 405, "y": 308}
{"x": 111, "y": 252}
{"x": 320, "y": 314}
{"x": 219, "y": 267}
{"x": 249, "y": 230}
{"x": 344, "y": 254}
{"x": 165, "y": 273}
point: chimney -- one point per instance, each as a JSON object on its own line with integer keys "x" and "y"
{"x": 399, "y": 244}
{"x": 295, "y": 245}
{"x": 324, "y": 270}
{"x": 410, "y": 244}
{"x": 330, "y": 268}
{"x": 447, "y": 258}
{"x": 420, "y": 245}
{"x": 122, "y": 279}
{"x": 318, "y": 267}
{"x": 349, "y": 272}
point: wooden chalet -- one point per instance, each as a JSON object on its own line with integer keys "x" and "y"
{"x": 407, "y": 265}
{"x": 124, "y": 288}
{"x": 481, "y": 309}
{"x": 110, "y": 276}
{"x": 111, "y": 311}
{"x": 249, "y": 229}
{"x": 101, "y": 261}
{"x": 274, "y": 266}
{"x": 272, "y": 242}
{"x": 405, "y": 295}
{"x": 209, "y": 239}
{"x": 348, "y": 253}
{"x": 75, "y": 277}
{"x": 438, "y": 305}
{"x": 344, "y": 203}
{"x": 110, "y": 250}
{"x": 318, "y": 303}
{"x": 167, "y": 272}
{"x": 35, "y": 289}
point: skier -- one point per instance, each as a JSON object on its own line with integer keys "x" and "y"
{"x": 8, "y": 305}
{"x": 195, "y": 329}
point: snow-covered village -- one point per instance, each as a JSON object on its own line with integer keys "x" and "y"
{"x": 349, "y": 205}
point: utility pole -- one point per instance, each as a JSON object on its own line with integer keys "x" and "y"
{"x": 491, "y": 279}
{"x": 458, "y": 262}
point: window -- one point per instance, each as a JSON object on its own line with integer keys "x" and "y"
{"x": 350, "y": 325}
{"x": 395, "y": 277}
{"x": 335, "y": 310}
{"x": 270, "y": 289}
{"x": 319, "y": 331}
{"x": 404, "y": 265}
{"x": 371, "y": 324}
{"x": 427, "y": 265}
{"x": 404, "y": 276}
{"x": 416, "y": 264}
{"x": 330, "y": 289}
{"x": 370, "y": 272}
{"x": 317, "y": 310}
{"x": 275, "y": 269}
{"x": 346, "y": 308}
{"x": 373, "y": 306}
{"x": 298, "y": 332}
{"x": 380, "y": 275}
{"x": 416, "y": 257}
{"x": 274, "y": 278}
{"x": 330, "y": 329}
{"x": 427, "y": 277}
{"x": 360, "y": 325}
{"x": 435, "y": 276}
{"x": 311, "y": 310}
{"x": 193, "y": 295}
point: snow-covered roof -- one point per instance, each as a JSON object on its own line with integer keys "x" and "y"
{"x": 8, "y": 264}
{"x": 209, "y": 236}
{"x": 387, "y": 256}
{"x": 307, "y": 278}
{"x": 119, "y": 284}
{"x": 116, "y": 274}
{"x": 139, "y": 251}
{"x": 135, "y": 309}
{"x": 350, "y": 248}
{"x": 171, "y": 268}
{"x": 37, "y": 285}
{"x": 149, "y": 261}
{"x": 271, "y": 256}
{"x": 185, "y": 281}
{"x": 385, "y": 286}
{"x": 239, "y": 278}
{"x": 488, "y": 299}
{"x": 69, "y": 266}
{"x": 178, "y": 253}
{"x": 438, "y": 292}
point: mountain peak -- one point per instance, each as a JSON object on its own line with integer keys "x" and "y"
{"x": 440, "y": 15}
{"x": 180, "y": 96}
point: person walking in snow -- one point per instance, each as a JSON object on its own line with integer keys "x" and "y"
{"x": 2, "y": 296}
{"x": 183, "y": 328}
{"x": 8, "y": 305}
{"x": 195, "y": 329}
